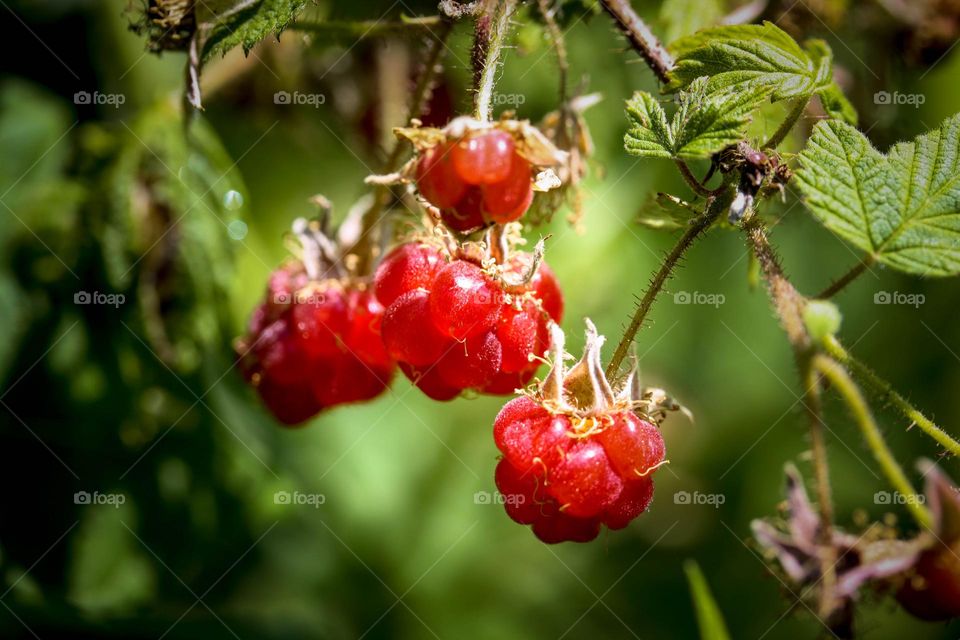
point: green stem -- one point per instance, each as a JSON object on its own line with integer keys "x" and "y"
{"x": 799, "y": 106}
{"x": 698, "y": 226}
{"x": 846, "y": 278}
{"x": 853, "y": 397}
{"x": 498, "y": 28}
{"x": 883, "y": 389}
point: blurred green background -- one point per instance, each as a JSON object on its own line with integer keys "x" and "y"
{"x": 140, "y": 400}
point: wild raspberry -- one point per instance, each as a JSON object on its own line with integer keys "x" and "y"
{"x": 315, "y": 342}
{"x": 458, "y": 326}
{"x": 476, "y": 180}
{"x": 575, "y": 454}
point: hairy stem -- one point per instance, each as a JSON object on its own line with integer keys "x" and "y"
{"x": 697, "y": 227}
{"x": 853, "y": 397}
{"x": 851, "y": 275}
{"x": 787, "y": 301}
{"x": 799, "y": 106}
{"x": 487, "y": 54}
{"x": 641, "y": 38}
{"x": 887, "y": 393}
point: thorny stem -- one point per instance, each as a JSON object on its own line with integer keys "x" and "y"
{"x": 487, "y": 54}
{"x": 853, "y": 397}
{"x": 787, "y": 301}
{"x": 698, "y": 226}
{"x": 556, "y": 35}
{"x": 799, "y": 106}
{"x": 641, "y": 38}
{"x": 846, "y": 278}
{"x": 886, "y": 392}
{"x": 418, "y": 100}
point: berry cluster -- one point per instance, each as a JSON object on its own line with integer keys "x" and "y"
{"x": 576, "y": 455}
{"x": 452, "y": 326}
{"x": 314, "y": 343}
{"x": 477, "y": 180}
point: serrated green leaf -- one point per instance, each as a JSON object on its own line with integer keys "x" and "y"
{"x": 903, "y": 208}
{"x": 836, "y": 104}
{"x": 244, "y": 23}
{"x": 745, "y": 58}
{"x": 709, "y": 618}
{"x": 649, "y": 134}
{"x": 702, "y": 125}
{"x": 684, "y": 17}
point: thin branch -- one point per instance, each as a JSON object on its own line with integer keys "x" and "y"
{"x": 799, "y": 106}
{"x": 488, "y": 53}
{"x": 362, "y": 29}
{"x": 697, "y": 227}
{"x": 641, "y": 38}
{"x": 887, "y": 393}
{"x": 853, "y": 397}
{"x": 695, "y": 184}
{"x": 787, "y": 301}
{"x": 559, "y": 46}
{"x": 838, "y": 285}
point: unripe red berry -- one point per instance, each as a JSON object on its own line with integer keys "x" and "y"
{"x": 471, "y": 364}
{"x": 428, "y": 380}
{"x": 438, "y": 180}
{"x": 467, "y": 213}
{"x": 408, "y": 331}
{"x": 508, "y": 199}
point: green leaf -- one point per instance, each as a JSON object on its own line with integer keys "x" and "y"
{"x": 903, "y": 208}
{"x": 836, "y": 104}
{"x": 709, "y": 618}
{"x": 683, "y": 17}
{"x": 242, "y": 22}
{"x": 702, "y": 125}
{"x": 649, "y": 134}
{"x": 745, "y": 58}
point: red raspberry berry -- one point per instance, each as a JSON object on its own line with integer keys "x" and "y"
{"x": 459, "y": 328}
{"x": 438, "y": 180}
{"x": 483, "y": 158}
{"x": 508, "y": 199}
{"x": 545, "y": 287}
{"x": 464, "y": 301}
{"x": 932, "y": 592}
{"x": 409, "y": 266}
{"x": 587, "y": 455}
{"x": 314, "y": 347}
{"x": 467, "y": 214}
{"x": 408, "y": 331}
